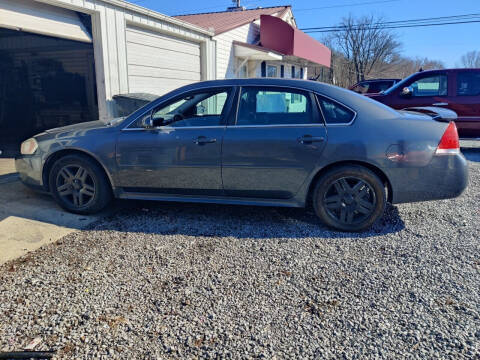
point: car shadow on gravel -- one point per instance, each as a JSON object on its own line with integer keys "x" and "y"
{"x": 212, "y": 220}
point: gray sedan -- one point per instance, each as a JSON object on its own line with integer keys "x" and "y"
{"x": 270, "y": 142}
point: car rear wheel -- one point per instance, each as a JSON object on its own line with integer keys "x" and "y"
{"x": 79, "y": 184}
{"x": 349, "y": 198}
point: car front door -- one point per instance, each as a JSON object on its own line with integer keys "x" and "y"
{"x": 425, "y": 90}
{"x": 274, "y": 145}
{"x": 176, "y": 147}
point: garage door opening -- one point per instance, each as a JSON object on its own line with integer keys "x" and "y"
{"x": 45, "y": 82}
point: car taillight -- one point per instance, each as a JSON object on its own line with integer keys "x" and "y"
{"x": 449, "y": 144}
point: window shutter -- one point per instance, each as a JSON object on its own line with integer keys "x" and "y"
{"x": 293, "y": 71}
{"x": 264, "y": 69}
{"x": 301, "y": 73}
{"x": 282, "y": 71}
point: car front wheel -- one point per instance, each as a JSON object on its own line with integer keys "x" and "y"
{"x": 349, "y": 198}
{"x": 79, "y": 184}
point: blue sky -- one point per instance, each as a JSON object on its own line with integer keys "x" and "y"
{"x": 445, "y": 43}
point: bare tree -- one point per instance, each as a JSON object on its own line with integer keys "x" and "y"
{"x": 407, "y": 66}
{"x": 366, "y": 45}
{"x": 471, "y": 59}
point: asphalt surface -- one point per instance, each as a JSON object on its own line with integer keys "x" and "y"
{"x": 163, "y": 280}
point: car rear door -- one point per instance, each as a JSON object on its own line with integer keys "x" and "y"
{"x": 467, "y": 102}
{"x": 274, "y": 143}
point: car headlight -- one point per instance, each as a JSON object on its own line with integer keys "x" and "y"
{"x": 29, "y": 147}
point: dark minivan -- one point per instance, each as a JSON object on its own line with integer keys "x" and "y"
{"x": 454, "y": 89}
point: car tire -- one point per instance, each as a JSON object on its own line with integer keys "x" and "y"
{"x": 349, "y": 198}
{"x": 79, "y": 185}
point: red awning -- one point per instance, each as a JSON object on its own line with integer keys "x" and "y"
{"x": 280, "y": 36}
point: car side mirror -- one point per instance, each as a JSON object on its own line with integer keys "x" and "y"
{"x": 407, "y": 92}
{"x": 149, "y": 122}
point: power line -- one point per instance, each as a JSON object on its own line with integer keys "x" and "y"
{"x": 402, "y": 22}
{"x": 437, "y": 21}
{"x": 397, "y": 27}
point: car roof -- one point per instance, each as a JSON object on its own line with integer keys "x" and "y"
{"x": 308, "y": 85}
{"x": 300, "y": 83}
{"x": 447, "y": 70}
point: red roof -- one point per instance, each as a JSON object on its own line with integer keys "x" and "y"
{"x": 224, "y": 21}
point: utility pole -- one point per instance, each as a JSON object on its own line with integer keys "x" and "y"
{"x": 236, "y": 6}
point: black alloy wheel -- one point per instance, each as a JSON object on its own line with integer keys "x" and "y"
{"x": 75, "y": 185}
{"x": 79, "y": 184}
{"x": 349, "y": 198}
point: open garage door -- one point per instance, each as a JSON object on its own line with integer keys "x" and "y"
{"x": 38, "y": 18}
{"x": 158, "y": 63}
{"x": 45, "y": 82}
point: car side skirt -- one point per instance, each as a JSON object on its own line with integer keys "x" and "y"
{"x": 211, "y": 199}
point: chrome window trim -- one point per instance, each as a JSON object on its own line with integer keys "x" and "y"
{"x": 276, "y": 125}
{"x": 172, "y": 97}
{"x": 338, "y": 102}
{"x": 175, "y": 128}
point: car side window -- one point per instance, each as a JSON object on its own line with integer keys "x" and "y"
{"x": 194, "y": 109}
{"x": 436, "y": 85}
{"x": 468, "y": 83}
{"x": 362, "y": 87}
{"x": 335, "y": 113}
{"x": 274, "y": 106}
{"x": 380, "y": 86}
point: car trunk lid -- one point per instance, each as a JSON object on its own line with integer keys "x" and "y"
{"x": 436, "y": 113}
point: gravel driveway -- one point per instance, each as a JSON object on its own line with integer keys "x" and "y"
{"x": 187, "y": 281}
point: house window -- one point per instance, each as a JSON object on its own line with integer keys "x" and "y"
{"x": 272, "y": 71}
{"x": 297, "y": 73}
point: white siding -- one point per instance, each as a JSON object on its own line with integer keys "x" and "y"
{"x": 248, "y": 33}
{"x": 158, "y": 63}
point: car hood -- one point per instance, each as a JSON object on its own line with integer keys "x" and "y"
{"x": 85, "y": 126}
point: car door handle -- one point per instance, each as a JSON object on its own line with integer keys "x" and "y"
{"x": 440, "y": 104}
{"x": 308, "y": 139}
{"x": 201, "y": 140}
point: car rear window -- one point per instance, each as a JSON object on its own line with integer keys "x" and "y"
{"x": 468, "y": 84}
{"x": 335, "y": 113}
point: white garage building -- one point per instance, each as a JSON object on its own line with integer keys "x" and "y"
{"x": 62, "y": 61}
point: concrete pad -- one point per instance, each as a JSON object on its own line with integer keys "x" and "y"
{"x": 29, "y": 220}
{"x": 7, "y": 165}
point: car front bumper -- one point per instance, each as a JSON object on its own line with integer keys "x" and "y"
{"x": 29, "y": 168}
{"x": 445, "y": 177}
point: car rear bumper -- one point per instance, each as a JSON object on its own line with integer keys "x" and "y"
{"x": 445, "y": 177}
{"x": 29, "y": 168}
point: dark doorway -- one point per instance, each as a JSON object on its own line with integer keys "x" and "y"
{"x": 45, "y": 82}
